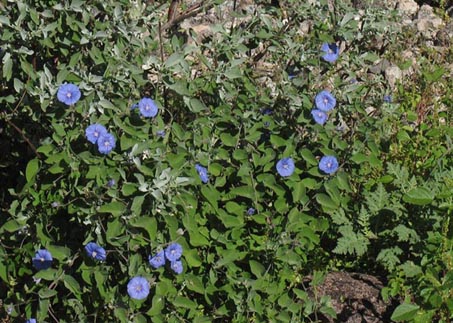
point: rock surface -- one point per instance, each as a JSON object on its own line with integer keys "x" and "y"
{"x": 407, "y": 6}
{"x": 355, "y": 298}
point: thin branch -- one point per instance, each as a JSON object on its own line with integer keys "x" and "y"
{"x": 190, "y": 12}
{"x": 24, "y": 137}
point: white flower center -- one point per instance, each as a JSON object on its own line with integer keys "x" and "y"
{"x": 96, "y": 134}
{"x": 42, "y": 259}
{"x": 147, "y": 108}
{"x": 329, "y": 165}
{"x": 69, "y": 95}
{"x": 106, "y": 143}
{"x": 93, "y": 254}
{"x": 326, "y": 100}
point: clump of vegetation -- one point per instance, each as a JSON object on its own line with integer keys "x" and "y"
{"x": 153, "y": 175}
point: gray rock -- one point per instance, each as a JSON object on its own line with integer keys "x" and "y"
{"x": 392, "y": 75}
{"x": 427, "y": 22}
{"x": 355, "y": 297}
{"x": 379, "y": 67}
{"x": 444, "y": 37}
{"x": 409, "y": 7}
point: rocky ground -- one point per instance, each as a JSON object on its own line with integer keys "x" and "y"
{"x": 431, "y": 26}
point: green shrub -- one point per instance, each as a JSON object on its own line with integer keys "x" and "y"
{"x": 204, "y": 172}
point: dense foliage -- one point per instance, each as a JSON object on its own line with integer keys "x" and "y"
{"x": 153, "y": 175}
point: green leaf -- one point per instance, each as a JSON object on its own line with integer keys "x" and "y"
{"x": 418, "y": 196}
{"x": 137, "y": 203}
{"x": 211, "y": 195}
{"x": 197, "y": 239}
{"x": 435, "y": 75}
{"x": 229, "y": 256}
{"x": 326, "y": 202}
{"x": 240, "y": 154}
{"x": 351, "y": 242}
{"x": 106, "y": 104}
{"x": 257, "y": 268}
{"x": 147, "y": 223}
{"x": 180, "y": 301}
{"x": 48, "y": 274}
{"x": 299, "y": 192}
{"x": 59, "y": 252}
{"x": 139, "y": 318}
{"x": 11, "y": 226}
{"x": 116, "y": 208}
{"x": 192, "y": 258}
{"x": 158, "y": 304}
{"x": 174, "y": 59}
{"x": 128, "y": 189}
{"x": 405, "y": 312}
{"x": 245, "y": 191}
{"x": 359, "y": 158}
{"x": 410, "y": 269}
{"x": 4, "y": 271}
{"x": 229, "y": 220}
{"x": 195, "y": 284}
{"x": 32, "y": 169}
{"x": 121, "y": 314}
{"x": 233, "y": 73}
{"x": 234, "y": 208}
{"x": 308, "y": 156}
{"x": 195, "y": 105}
{"x": 114, "y": 229}
{"x": 228, "y": 140}
{"x": 43, "y": 312}
{"x": 278, "y": 141}
{"x": 180, "y": 87}
{"x": 47, "y": 293}
{"x": 72, "y": 284}
{"x": 7, "y": 66}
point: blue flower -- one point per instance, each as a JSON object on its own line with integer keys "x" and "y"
{"x": 173, "y": 252}
{"x": 266, "y": 111}
{"x": 94, "y": 131}
{"x": 32, "y": 320}
{"x": 147, "y": 107}
{"x": 202, "y": 172}
{"x": 96, "y": 252}
{"x": 251, "y": 211}
{"x": 325, "y": 101}
{"x": 160, "y": 133}
{"x": 176, "y": 266}
{"x": 68, "y": 93}
{"x": 134, "y": 106}
{"x": 42, "y": 260}
{"x": 111, "y": 183}
{"x": 328, "y": 164}
{"x": 285, "y": 167}
{"x": 319, "y": 116}
{"x": 138, "y": 288}
{"x": 387, "y": 98}
{"x": 331, "y": 52}
{"x": 158, "y": 260}
{"x": 106, "y": 143}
